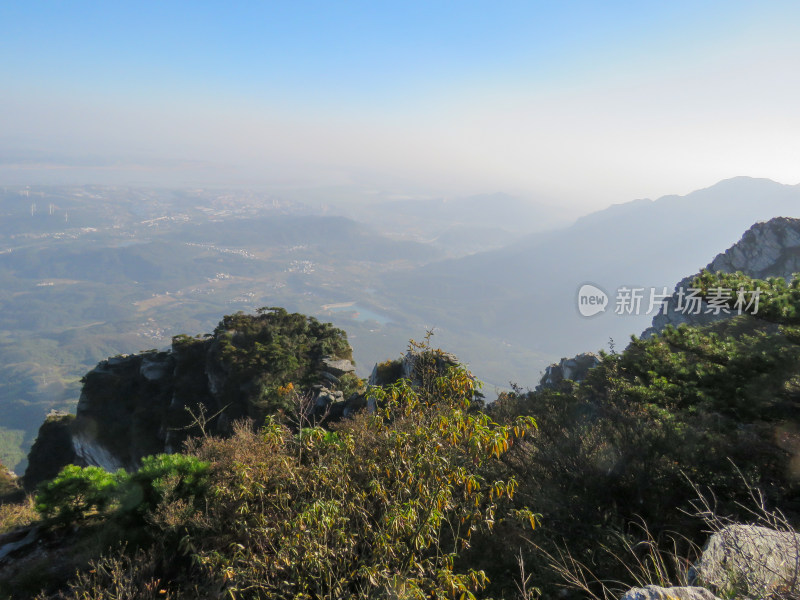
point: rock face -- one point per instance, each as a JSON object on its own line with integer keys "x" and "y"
{"x": 51, "y": 451}
{"x": 18, "y": 539}
{"x": 126, "y": 408}
{"x": 768, "y": 249}
{"x": 132, "y": 406}
{"x": 575, "y": 369}
{"x": 654, "y": 592}
{"x": 755, "y": 559}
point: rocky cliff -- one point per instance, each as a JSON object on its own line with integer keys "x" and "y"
{"x": 574, "y": 369}
{"x": 136, "y": 405}
{"x": 767, "y": 249}
{"x": 52, "y": 449}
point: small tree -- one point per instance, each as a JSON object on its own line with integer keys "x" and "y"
{"x": 77, "y": 491}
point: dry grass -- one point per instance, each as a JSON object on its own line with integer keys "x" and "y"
{"x": 752, "y": 569}
{"x": 646, "y": 562}
{"x": 17, "y": 515}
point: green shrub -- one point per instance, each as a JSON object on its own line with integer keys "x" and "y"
{"x": 390, "y": 371}
{"x": 163, "y": 477}
{"x": 690, "y": 404}
{"x": 77, "y": 491}
{"x": 382, "y": 506}
{"x": 350, "y": 384}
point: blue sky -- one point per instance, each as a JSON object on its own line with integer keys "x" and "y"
{"x": 583, "y": 102}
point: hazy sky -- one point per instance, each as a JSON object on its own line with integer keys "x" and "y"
{"x": 589, "y": 102}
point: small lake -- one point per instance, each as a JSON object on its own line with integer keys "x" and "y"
{"x": 359, "y": 313}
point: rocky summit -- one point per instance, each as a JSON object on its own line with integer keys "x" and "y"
{"x": 768, "y": 249}
{"x": 137, "y": 405}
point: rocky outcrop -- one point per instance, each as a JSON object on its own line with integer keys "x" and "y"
{"x": 337, "y": 367}
{"x": 753, "y": 559}
{"x": 768, "y": 249}
{"x": 135, "y": 405}
{"x": 408, "y": 366}
{"x": 654, "y": 592}
{"x": 574, "y": 369}
{"x": 52, "y": 449}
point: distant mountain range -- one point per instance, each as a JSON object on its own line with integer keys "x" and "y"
{"x": 525, "y": 293}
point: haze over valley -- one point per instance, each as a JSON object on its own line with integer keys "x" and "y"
{"x": 93, "y": 271}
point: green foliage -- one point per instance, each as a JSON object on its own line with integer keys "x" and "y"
{"x": 173, "y": 477}
{"x": 263, "y": 352}
{"x": 382, "y": 506}
{"x": 350, "y": 384}
{"x": 390, "y": 371}
{"x": 79, "y": 491}
{"x": 76, "y": 491}
{"x": 779, "y": 301}
{"x": 688, "y": 405}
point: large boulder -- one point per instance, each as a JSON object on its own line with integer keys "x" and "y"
{"x": 654, "y": 592}
{"x": 751, "y": 561}
{"x": 337, "y": 367}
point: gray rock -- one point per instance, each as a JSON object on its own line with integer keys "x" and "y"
{"x": 374, "y": 378}
{"x": 156, "y": 367}
{"x": 323, "y": 397}
{"x": 654, "y": 592}
{"x": 575, "y": 369}
{"x": 768, "y": 249}
{"x": 120, "y": 359}
{"x": 89, "y": 452}
{"x": 16, "y": 540}
{"x": 750, "y": 560}
{"x": 337, "y": 367}
{"x": 51, "y": 450}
